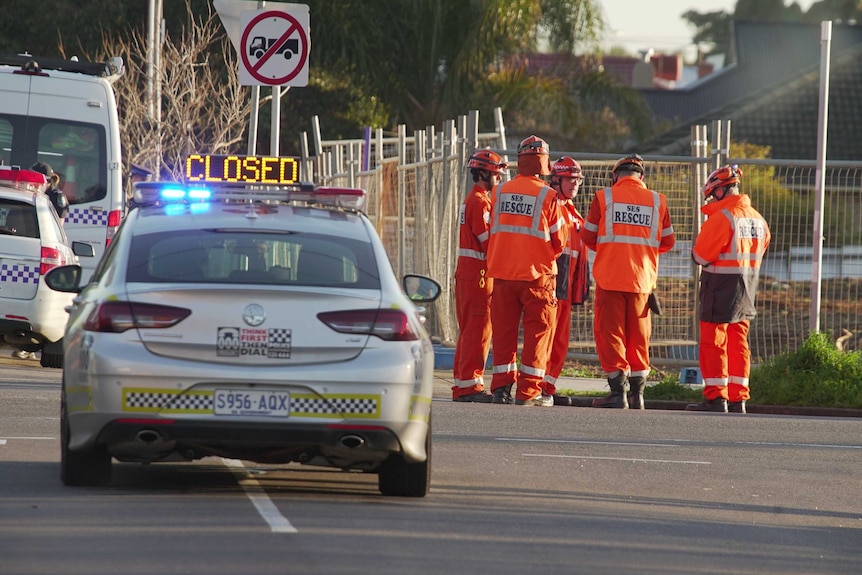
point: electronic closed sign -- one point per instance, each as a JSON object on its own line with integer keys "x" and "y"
{"x": 242, "y": 169}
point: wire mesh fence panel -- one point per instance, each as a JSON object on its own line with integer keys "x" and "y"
{"x": 786, "y": 197}
{"x": 423, "y": 234}
{"x": 674, "y": 332}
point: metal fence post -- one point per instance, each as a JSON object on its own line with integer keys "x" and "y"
{"x": 402, "y": 159}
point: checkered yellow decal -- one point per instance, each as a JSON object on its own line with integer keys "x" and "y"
{"x": 140, "y": 400}
{"x": 420, "y": 408}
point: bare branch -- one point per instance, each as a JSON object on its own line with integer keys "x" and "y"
{"x": 204, "y": 108}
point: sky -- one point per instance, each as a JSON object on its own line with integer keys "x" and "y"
{"x": 658, "y": 24}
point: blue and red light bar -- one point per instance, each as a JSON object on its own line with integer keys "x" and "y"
{"x": 28, "y": 180}
{"x": 173, "y": 193}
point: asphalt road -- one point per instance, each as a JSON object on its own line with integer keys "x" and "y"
{"x": 514, "y": 490}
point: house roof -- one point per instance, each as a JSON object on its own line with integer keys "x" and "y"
{"x": 771, "y": 94}
{"x": 665, "y": 67}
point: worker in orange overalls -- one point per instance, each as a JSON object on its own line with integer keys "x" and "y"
{"x": 628, "y": 227}
{"x": 528, "y": 234}
{"x": 730, "y": 247}
{"x": 573, "y": 271}
{"x": 472, "y": 284}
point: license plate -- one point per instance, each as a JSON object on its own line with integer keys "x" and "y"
{"x": 252, "y": 402}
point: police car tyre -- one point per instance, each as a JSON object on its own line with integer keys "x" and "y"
{"x": 91, "y": 467}
{"x": 398, "y": 478}
{"x": 54, "y": 360}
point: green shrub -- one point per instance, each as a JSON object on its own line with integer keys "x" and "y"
{"x": 672, "y": 390}
{"x": 815, "y": 375}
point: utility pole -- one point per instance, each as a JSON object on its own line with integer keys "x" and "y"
{"x": 155, "y": 39}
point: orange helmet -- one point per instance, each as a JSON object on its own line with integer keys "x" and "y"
{"x": 567, "y": 167}
{"x": 487, "y": 160}
{"x": 533, "y": 146}
{"x": 721, "y": 178}
{"x": 631, "y": 162}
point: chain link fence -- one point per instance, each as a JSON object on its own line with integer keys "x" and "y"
{"x": 415, "y": 186}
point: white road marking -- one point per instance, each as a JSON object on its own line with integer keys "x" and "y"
{"x": 584, "y": 441}
{"x": 677, "y": 443}
{"x": 277, "y": 522}
{"x": 618, "y": 459}
{"x": 818, "y": 445}
{"x": 3, "y": 440}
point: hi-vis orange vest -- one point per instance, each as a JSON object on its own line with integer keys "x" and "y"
{"x": 730, "y": 246}
{"x": 733, "y": 239}
{"x": 628, "y": 227}
{"x": 473, "y": 233}
{"x": 528, "y": 231}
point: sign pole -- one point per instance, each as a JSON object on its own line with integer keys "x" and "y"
{"x": 820, "y": 176}
{"x": 255, "y": 103}
{"x": 275, "y": 125}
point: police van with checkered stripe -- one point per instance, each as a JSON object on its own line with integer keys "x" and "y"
{"x": 64, "y": 113}
{"x": 242, "y": 314}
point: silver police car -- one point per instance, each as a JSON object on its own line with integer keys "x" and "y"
{"x": 263, "y": 325}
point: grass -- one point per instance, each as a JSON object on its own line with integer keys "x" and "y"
{"x": 816, "y": 375}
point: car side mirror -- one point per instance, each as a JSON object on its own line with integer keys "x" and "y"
{"x": 65, "y": 279}
{"x": 83, "y": 249}
{"x": 420, "y": 289}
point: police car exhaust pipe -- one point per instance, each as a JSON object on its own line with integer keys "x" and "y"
{"x": 351, "y": 441}
{"x": 149, "y": 436}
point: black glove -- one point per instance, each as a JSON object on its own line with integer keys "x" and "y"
{"x": 654, "y": 304}
{"x": 563, "y": 263}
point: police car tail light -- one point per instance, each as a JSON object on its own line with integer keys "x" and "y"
{"x": 387, "y": 324}
{"x": 114, "y": 219}
{"x": 49, "y": 259}
{"x": 119, "y": 316}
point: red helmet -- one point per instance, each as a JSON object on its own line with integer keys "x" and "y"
{"x": 567, "y": 167}
{"x": 487, "y": 160}
{"x": 632, "y": 162}
{"x": 721, "y": 178}
{"x": 533, "y": 146}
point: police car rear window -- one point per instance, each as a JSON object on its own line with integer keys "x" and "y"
{"x": 18, "y": 219}
{"x": 243, "y": 257}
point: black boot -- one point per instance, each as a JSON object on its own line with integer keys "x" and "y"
{"x": 617, "y": 397}
{"x": 718, "y": 405}
{"x": 503, "y": 395}
{"x": 736, "y": 406}
{"x": 636, "y": 392}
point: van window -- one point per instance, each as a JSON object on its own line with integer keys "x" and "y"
{"x": 5, "y": 142}
{"x": 74, "y": 151}
{"x": 77, "y": 151}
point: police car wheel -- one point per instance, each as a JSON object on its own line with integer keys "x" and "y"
{"x": 54, "y": 360}
{"x": 398, "y": 478}
{"x": 91, "y": 467}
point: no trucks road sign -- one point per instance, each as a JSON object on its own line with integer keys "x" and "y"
{"x": 274, "y": 47}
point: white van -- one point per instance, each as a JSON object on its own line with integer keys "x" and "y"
{"x": 63, "y": 113}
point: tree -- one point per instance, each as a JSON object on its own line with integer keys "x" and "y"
{"x": 204, "y": 108}
{"x": 444, "y": 57}
{"x": 438, "y": 52}
{"x": 381, "y": 64}
{"x": 713, "y": 28}
{"x": 41, "y": 27}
